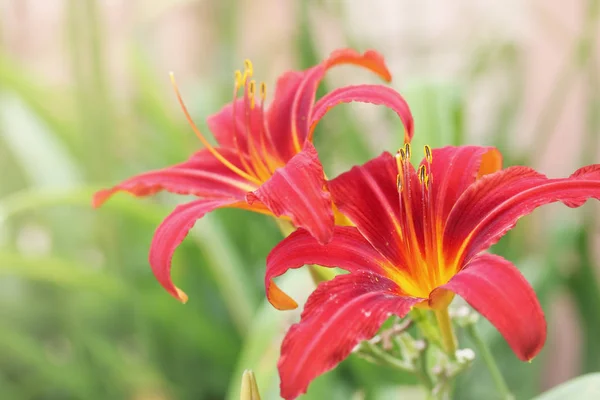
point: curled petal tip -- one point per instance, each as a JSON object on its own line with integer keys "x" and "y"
{"x": 181, "y": 296}
{"x": 100, "y": 197}
{"x": 279, "y": 299}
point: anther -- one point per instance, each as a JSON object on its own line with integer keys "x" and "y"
{"x": 402, "y": 154}
{"x": 238, "y": 79}
{"x": 263, "y": 91}
{"x": 251, "y": 92}
{"x": 428, "y": 154}
{"x": 248, "y": 70}
{"x": 407, "y": 151}
{"x": 422, "y": 174}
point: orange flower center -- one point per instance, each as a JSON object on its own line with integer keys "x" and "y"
{"x": 419, "y": 232}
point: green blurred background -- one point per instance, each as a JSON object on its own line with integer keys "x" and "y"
{"x": 85, "y": 102}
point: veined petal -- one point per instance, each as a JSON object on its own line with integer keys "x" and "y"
{"x": 373, "y": 94}
{"x": 289, "y": 113}
{"x": 368, "y": 196}
{"x": 171, "y": 232}
{"x": 298, "y": 191}
{"x": 454, "y": 169}
{"x": 337, "y": 316}
{"x": 492, "y": 206}
{"x": 498, "y": 291}
{"x": 226, "y": 124}
{"x": 201, "y": 175}
{"x": 348, "y": 250}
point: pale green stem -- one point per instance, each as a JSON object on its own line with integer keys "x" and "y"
{"x": 448, "y": 337}
{"x": 422, "y": 321}
{"x": 490, "y": 362}
{"x": 387, "y": 358}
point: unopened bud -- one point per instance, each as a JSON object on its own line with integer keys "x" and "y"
{"x": 249, "y": 390}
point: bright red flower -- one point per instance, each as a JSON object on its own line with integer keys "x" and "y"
{"x": 419, "y": 238}
{"x": 265, "y": 161}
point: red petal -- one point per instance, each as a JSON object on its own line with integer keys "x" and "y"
{"x": 348, "y": 250}
{"x": 289, "y": 113}
{"x": 171, "y": 232}
{"x": 201, "y": 175}
{"x": 298, "y": 191}
{"x": 492, "y": 206}
{"x": 368, "y": 196}
{"x": 498, "y": 291}
{"x": 454, "y": 169}
{"x": 373, "y": 94}
{"x": 337, "y": 316}
{"x": 224, "y": 125}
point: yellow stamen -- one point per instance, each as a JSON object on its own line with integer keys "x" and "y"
{"x": 205, "y": 142}
{"x": 407, "y": 151}
{"x": 428, "y": 154}
{"x": 422, "y": 174}
{"x": 238, "y": 80}
{"x": 248, "y": 71}
{"x": 263, "y": 91}
{"x": 251, "y": 93}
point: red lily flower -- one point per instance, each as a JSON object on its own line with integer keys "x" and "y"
{"x": 265, "y": 161}
{"x": 419, "y": 239}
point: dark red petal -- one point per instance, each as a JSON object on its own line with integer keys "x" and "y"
{"x": 289, "y": 113}
{"x": 368, "y": 196}
{"x": 348, "y": 250}
{"x": 201, "y": 175}
{"x": 492, "y": 205}
{"x": 454, "y": 169}
{"x": 498, "y": 291}
{"x": 171, "y": 232}
{"x": 373, "y": 94}
{"x": 337, "y": 316}
{"x": 298, "y": 192}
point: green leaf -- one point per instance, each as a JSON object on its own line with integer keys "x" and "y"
{"x": 586, "y": 387}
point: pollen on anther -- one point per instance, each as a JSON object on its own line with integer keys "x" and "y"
{"x": 399, "y": 183}
{"x": 422, "y": 174}
{"x": 248, "y": 70}
{"x": 428, "y": 154}
{"x": 251, "y": 92}
{"x": 263, "y": 91}
{"x": 402, "y": 154}
{"x": 238, "y": 79}
{"x": 407, "y": 151}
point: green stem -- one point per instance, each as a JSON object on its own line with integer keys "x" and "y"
{"x": 428, "y": 330}
{"x": 448, "y": 337}
{"x": 383, "y": 356}
{"x": 490, "y": 362}
{"x": 422, "y": 371}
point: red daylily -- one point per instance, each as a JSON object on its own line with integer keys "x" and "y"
{"x": 419, "y": 238}
{"x": 265, "y": 160}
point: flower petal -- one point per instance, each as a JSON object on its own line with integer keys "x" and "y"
{"x": 201, "y": 175}
{"x": 373, "y": 94}
{"x": 498, "y": 291}
{"x": 454, "y": 169}
{"x": 171, "y": 232}
{"x": 289, "y": 113}
{"x": 337, "y": 316}
{"x": 298, "y": 191}
{"x": 348, "y": 250}
{"x": 492, "y": 206}
{"x": 368, "y": 196}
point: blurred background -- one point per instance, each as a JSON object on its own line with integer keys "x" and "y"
{"x": 85, "y": 102}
